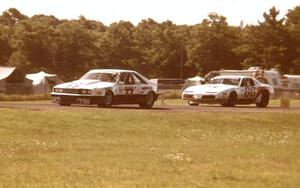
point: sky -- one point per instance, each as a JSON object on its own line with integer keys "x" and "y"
{"x": 180, "y": 12}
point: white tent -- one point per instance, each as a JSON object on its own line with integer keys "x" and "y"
{"x": 42, "y": 82}
{"x": 4, "y": 73}
{"x": 196, "y": 78}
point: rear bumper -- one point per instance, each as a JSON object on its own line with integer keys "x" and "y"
{"x": 65, "y": 99}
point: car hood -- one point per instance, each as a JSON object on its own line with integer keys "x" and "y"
{"x": 85, "y": 84}
{"x": 208, "y": 88}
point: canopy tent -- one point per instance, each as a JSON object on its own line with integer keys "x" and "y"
{"x": 196, "y": 78}
{"x": 13, "y": 81}
{"x": 6, "y": 72}
{"x": 43, "y": 82}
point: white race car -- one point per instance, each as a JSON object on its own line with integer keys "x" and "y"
{"x": 106, "y": 87}
{"x": 229, "y": 91}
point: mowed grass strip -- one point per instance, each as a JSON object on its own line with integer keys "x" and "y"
{"x": 132, "y": 148}
{"x": 272, "y": 103}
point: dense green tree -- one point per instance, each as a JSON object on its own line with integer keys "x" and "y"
{"x": 33, "y": 43}
{"x": 11, "y": 17}
{"x": 293, "y": 26}
{"x": 267, "y": 44}
{"x": 212, "y": 44}
{"x": 5, "y": 48}
{"x": 71, "y": 47}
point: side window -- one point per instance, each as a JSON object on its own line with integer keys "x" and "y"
{"x": 127, "y": 79}
{"x": 138, "y": 79}
{"x": 247, "y": 82}
{"x": 243, "y": 84}
{"x": 251, "y": 82}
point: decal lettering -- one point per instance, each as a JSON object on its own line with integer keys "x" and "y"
{"x": 128, "y": 90}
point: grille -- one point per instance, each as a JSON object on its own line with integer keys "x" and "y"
{"x": 208, "y": 97}
{"x": 187, "y": 96}
{"x": 71, "y": 91}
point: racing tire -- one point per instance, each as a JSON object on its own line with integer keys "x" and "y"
{"x": 108, "y": 99}
{"x": 149, "y": 101}
{"x": 231, "y": 101}
{"x": 193, "y": 103}
{"x": 264, "y": 100}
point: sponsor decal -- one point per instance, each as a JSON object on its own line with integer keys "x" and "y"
{"x": 145, "y": 88}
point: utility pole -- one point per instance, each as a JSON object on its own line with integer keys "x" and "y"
{"x": 181, "y": 61}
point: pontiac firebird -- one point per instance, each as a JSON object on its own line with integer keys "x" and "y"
{"x": 229, "y": 91}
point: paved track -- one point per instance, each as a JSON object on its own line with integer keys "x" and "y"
{"x": 162, "y": 108}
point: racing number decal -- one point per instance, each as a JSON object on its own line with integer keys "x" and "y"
{"x": 250, "y": 92}
{"x": 128, "y": 90}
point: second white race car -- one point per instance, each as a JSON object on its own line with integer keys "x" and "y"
{"x": 106, "y": 87}
{"x": 229, "y": 91}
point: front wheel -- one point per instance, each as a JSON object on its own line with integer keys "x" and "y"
{"x": 149, "y": 101}
{"x": 264, "y": 100}
{"x": 108, "y": 99}
{"x": 231, "y": 101}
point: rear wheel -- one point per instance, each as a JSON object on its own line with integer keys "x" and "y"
{"x": 264, "y": 100}
{"x": 149, "y": 101}
{"x": 231, "y": 101}
{"x": 108, "y": 99}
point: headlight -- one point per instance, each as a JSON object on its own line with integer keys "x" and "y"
{"x": 86, "y": 91}
{"x": 58, "y": 90}
{"x": 197, "y": 96}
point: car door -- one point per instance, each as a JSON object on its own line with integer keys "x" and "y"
{"x": 247, "y": 89}
{"x": 127, "y": 88}
{"x": 142, "y": 86}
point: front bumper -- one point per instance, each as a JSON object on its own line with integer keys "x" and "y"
{"x": 207, "y": 98}
{"x": 66, "y": 99}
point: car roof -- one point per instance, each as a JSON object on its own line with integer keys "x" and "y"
{"x": 110, "y": 70}
{"x": 230, "y": 76}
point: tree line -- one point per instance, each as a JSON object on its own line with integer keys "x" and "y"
{"x": 69, "y": 48}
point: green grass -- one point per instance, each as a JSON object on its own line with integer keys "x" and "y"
{"x": 131, "y": 148}
{"x": 24, "y": 97}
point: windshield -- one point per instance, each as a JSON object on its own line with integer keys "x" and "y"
{"x": 226, "y": 81}
{"x": 101, "y": 76}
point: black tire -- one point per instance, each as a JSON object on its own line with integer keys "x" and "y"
{"x": 264, "y": 100}
{"x": 148, "y": 101}
{"x": 231, "y": 101}
{"x": 193, "y": 103}
{"x": 108, "y": 99}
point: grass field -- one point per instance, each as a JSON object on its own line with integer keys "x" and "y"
{"x": 133, "y": 148}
